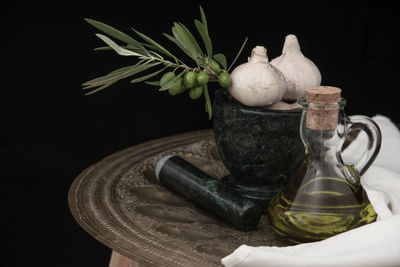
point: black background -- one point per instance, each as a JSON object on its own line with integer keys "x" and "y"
{"x": 51, "y": 131}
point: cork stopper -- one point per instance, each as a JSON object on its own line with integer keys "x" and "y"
{"x": 323, "y": 94}
{"x": 323, "y": 109}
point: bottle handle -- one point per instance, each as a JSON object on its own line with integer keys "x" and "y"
{"x": 363, "y": 123}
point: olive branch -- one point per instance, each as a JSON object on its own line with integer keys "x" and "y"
{"x": 209, "y": 67}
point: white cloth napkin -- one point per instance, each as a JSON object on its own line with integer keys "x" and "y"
{"x": 376, "y": 244}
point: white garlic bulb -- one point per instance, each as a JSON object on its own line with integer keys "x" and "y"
{"x": 257, "y": 83}
{"x": 299, "y": 71}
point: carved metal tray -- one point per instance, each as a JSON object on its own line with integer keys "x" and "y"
{"x": 120, "y": 203}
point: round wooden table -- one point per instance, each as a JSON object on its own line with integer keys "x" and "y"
{"x": 120, "y": 203}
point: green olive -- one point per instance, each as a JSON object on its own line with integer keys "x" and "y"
{"x": 196, "y": 92}
{"x": 166, "y": 78}
{"x": 224, "y": 79}
{"x": 202, "y": 78}
{"x": 215, "y": 66}
{"x": 189, "y": 79}
{"x": 177, "y": 87}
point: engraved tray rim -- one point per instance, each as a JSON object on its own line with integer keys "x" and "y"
{"x": 91, "y": 202}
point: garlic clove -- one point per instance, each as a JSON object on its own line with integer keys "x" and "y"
{"x": 257, "y": 83}
{"x": 299, "y": 71}
{"x": 282, "y": 105}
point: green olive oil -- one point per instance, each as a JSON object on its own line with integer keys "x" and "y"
{"x": 319, "y": 208}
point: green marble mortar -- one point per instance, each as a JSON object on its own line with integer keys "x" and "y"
{"x": 261, "y": 148}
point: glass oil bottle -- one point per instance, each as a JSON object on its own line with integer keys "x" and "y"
{"x": 325, "y": 197}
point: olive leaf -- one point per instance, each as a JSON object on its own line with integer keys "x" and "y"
{"x": 178, "y": 43}
{"x": 200, "y": 61}
{"x": 192, "y": 40}
{"x": 135, "y": 49}
{"x": 182, "y": 34}
{"x": 237, "y": 55}
{"x": 141, "y": 79}
{"x": 103, "y": 79}
{"x": 203, "y": 18}
{"x": 101, "y": 87}
{"x": 116, "y": 34}
{"x": 124, "y": 69}
{"x": 221, "y": 59}
{"x": 128, "y": 47}
{"x": 156, "y": 46}
{"x": 182, "y": 38}
{"x": 204, "y": 35}
{"x": 103, "y": 48}
{"x": 155, "y": 55}
{"x": 208, "y": 102}
{"x": 154, "y": 83}
{"x": 121, "y": 51}
{"x": 115, "y": 76}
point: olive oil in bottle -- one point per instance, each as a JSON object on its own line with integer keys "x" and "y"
{"x": 319, "y": 208}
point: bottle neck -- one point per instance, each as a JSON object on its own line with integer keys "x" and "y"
{"x": 322, "y": 116}
{"x": 322, "y": 128}
{"x": 322, "y": 124}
